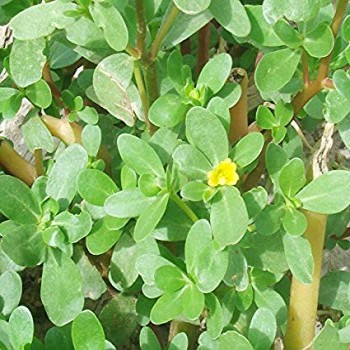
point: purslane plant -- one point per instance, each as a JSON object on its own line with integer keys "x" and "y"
{"x": 162, "y": 210}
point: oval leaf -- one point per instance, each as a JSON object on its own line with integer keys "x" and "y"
{"x": 328, "y": 194}
{"x": 192, "y": 7}
{"x": 262, "y": 329}
{"x": 205, "y": 131}
{"x": 276, "y": 69}
{"x": 299, "y": 257}
{"x": 139, "y": 155}
{"x": 87, "y": 332}
{"x": 61, "y": 288}
{"x": 228, "y": 216}
{"x": 103, "y": 186}
{"x": 18, "y": 203}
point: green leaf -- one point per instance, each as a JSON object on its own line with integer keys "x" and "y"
{"x": 299, "y": 257}
{"x": 39, "y": 94}
{"x": 180, "y": 341}
{"x": 279, "y": 133}
{"x": 123, "y": 272}
{"x": 276, "y": 158}
{"x": 10, "y": 292}
{"x": 27, "y": 61}
{"x": 294, "y": 222}
{"x": 191, "y": 162}
{"x": 262, "y": 329}
{"x": 328, "y": 338}
{"x": 219, "y": 107}
{"x": 314, "y": 108}
{"x": 228, "y": 216}
{"x": 265, "y": 118}
{"x": 262, "y": 32}
{"x": 25, "y": 245}
{"x": 149, "y": 185}
{"x": 346, "y": 28}
{"x": 37, "y": 136}
{"x": 245, "y": 299}
{"x": 237, "y": 270}
{"x": 118, "y": 318}
{"x": 184, "y": 26}
{"x": 270, "y": 299}
{"x": 292, "y": 177}
{"x": 139, "y": 155}
{"x": 87, "y": 332}
{"x": 341, "y": 81}
{"x": 61, "y": 55}
{"x": 194, "y": 191}
{"x": 276, "y": 69}
{"x": 174, "y": 225}
{"x": 335, "y": 290}
{"x": 344, "y": 131}
{"x": 148, "y": 340}
{"x": 205, "y": 131}
{"x": 110, "y": 20}
{"x": 168, "y": 307}
{"x": 320, "y": 41}
{"x": 266, "y": 253}
{"x": 268, "y": 221}
{"x": 41, "y": 20}
{"x": 147, "y": 264}
{"x": 336, "y": 107}
{"x": 93, "y": 283}
{"x": 297, "y": 11}
{"x": 61, "y": 184}
{"x": 58, "y": 338}
{"x": 101, "y": 238}
{"x": 150, "y": 217}
{"x": 91, "y": 137}
{"x": 10, "y": 107}
{"x": 164, "y": 141}
{"x": 21, "y": 328}
{"x": 255, "y": 201}
{"x": 75, "y": 226}
{"x": 344, "y": 335}
{"x": 169, "y": 278}
{"x": 127, "y": 204}
{"x": 232, "y": 16}
{"x": 284, "y": 113}
{"x": 18, "y": 203}
{"x": 103, "y": 186}
{"x": 168, "y": 111}
{"x": 111, "y": 79}
{"x": 215, "y": 317}
{"x": 232, "y": 339}
{"x": 230, "y": 93}
{"x": 198, "y": 238}
{"x": 89, "y": 115}
{"x": 128, "y": 178}
{"x": 247, "y": 149}
{"x": 210, "y": 267}
{"x": 216, "y": 72}
{"x": 288, "y": 34}
{"x": 61, "y": 288}
{"x": 85, "y": 33}
{"x": 327, "y": 194}
{"x": 192, "y": 7}
{"x": 193, "y": 302}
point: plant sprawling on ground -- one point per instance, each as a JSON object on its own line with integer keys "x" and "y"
{"x": 183, "y": 183}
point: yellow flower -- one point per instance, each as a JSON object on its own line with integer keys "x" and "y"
{"x": 224, "y": 174}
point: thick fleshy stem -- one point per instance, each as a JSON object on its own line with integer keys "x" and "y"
{"x": 304, "y": 298}
{"x": 15, "y": 164}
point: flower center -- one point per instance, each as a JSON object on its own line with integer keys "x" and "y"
{"x": 223, "y": 174}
